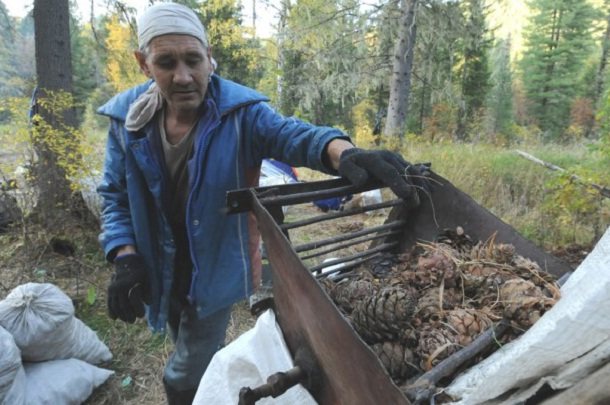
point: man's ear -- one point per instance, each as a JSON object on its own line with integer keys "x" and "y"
{"x": 141, "y": 58}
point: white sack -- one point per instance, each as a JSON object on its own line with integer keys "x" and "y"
{"x": 41, "y": 319}
{"x": 62, "y": 382}
{"x": 372, "y": 197}
{"x": 12, "y": 386}
{"x": 333, "y": 269}
{"x": 247, "y": 362}
{"x": 16, "y": 393}
{"x": 565, "y": 345}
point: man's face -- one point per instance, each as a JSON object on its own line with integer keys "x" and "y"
{"x": 180, "y": 65}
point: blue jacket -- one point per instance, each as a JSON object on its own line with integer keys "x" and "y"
{"x": 238, "y": 130}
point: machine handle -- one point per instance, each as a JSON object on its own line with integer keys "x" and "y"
{"x": 276, "y": 385}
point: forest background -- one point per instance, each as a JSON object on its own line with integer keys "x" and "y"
{"x": 479, "y": 79}
{"x": 461, "y": 84}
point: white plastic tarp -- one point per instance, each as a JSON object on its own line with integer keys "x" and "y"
{"x": 568, "y": 343}
{"x": 272, "y": 175}
{"x": 247, "y": 362}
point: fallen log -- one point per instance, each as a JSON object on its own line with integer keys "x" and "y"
{"x": 603, "y": 191}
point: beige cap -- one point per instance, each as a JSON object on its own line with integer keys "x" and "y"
{"x": 169, "y": 18}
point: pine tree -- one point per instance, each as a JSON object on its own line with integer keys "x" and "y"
{"x": 55, "y": 120}
{"x": 88, "y": 70}
{"x": 382, "y": 32}
{"x": 233, "y": 47}
{"x": 7, "y": 53}
{"x": 474, "y": 69}
{"x": 434, "y": 94}
{"x": 558, "y": 40}
{"x": 500, "y": 99}
{"x": 320, "y": 44}
{"x": 17, "y": 68}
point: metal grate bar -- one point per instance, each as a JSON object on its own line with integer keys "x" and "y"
{"x": 334, "y": 215}
{"x": 349, "y": 243}
{"x": 299, "y": 198}
{"x": 381, "y": 248}
{"x": 341, "y": 238}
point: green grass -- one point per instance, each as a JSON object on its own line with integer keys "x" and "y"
{"x": 519, "y": 191}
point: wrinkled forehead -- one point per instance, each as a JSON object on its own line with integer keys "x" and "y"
{"x": 169, "y": 18}
{"x": 175, "y": 44}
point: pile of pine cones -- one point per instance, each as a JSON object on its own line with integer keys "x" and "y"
{"x": 418, "y": 308}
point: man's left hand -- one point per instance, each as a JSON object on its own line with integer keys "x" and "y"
{"x": 127, "y": 289}
{"x": 359, "y": 166}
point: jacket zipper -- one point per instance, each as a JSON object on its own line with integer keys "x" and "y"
{"x": 198, "y": 169}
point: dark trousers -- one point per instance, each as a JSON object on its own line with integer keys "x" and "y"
{"x": 196, "y": 341}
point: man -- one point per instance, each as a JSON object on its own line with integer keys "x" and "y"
{"x": 176, "y": 145}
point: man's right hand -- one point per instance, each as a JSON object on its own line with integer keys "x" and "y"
{"x": 127, "y": 289}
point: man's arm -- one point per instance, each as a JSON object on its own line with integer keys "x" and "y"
{"x": 124, "y": 250}
{"x": 117, "y": 230}
{"x": 128, "y": 286}
{"x": 329, "y": 150}
{"x": 334, "y": 150}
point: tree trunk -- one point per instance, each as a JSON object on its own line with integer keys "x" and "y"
{"x": 254, "y": 17}
{"x": 601, "y": 75}
{"x": 281, "y": 53}
{"x": 400, "y": 82}
{"x": 53, "y": 123}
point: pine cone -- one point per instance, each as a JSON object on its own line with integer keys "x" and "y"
{"x": 523, "y": 302}
{"x": 468, "y": 323}
{"x": 489, "y": 292}
{"x": 435, "y": 266}
{"x": 348, "y": 293}
{"x": 409, "y": 338}
{"x": 456, "y": 238}
{"x": 383, "y": 315}
{"x": 398, "y": 360}
{"x": 503, "y": 253}
{"x": 429, "y": 305}
{"x": 530, "y": 270}
{"x": 430, "y": 302}
{"x": 474, "y": 278}
{"x": 395, "y": 280}
{"x": 435, "y": 344}
{"x": 500, "y": 253}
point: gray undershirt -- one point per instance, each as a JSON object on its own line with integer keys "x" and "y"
{"x": 176, "y": 158}
{"x": 175, "y": 155}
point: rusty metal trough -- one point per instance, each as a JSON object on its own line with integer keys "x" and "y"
{"x": 335, "y": 365}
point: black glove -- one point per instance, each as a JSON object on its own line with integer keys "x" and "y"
{"x": 359, "y": 166}
{"x": 126, "y": 292}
